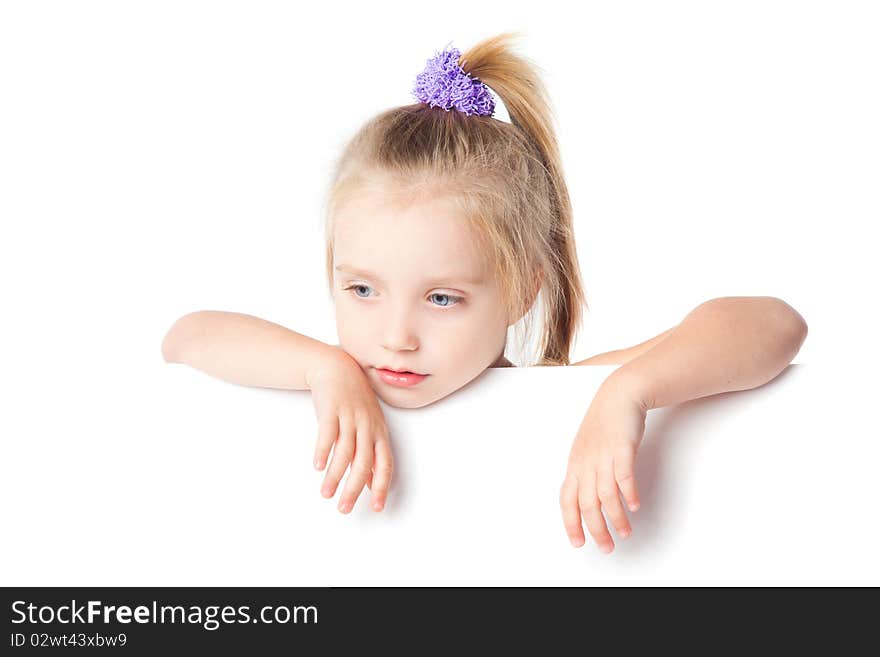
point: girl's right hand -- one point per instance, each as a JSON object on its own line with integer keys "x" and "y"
{"x": 351, "y": 420}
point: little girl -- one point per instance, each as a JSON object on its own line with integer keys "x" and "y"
{"x": 443, "y": 225}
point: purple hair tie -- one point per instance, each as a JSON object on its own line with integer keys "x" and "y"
{"x": 444, "y": 84}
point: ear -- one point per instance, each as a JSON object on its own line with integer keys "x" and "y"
{"x": 537, "y": 282}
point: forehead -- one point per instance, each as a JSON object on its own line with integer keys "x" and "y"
{"x": 429, "y": 236}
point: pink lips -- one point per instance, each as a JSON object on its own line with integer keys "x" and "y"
{"x": 401, "y": 379}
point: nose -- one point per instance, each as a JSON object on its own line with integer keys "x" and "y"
{"x": 399, "y": 333}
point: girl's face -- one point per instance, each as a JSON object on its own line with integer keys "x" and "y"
{"x": 412, "y": 292}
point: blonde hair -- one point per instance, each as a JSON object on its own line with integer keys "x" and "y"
{"x": 506, "y": 178}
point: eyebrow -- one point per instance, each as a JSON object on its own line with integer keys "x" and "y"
{"x": 455, "y": 278}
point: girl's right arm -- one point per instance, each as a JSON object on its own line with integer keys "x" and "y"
{"x": 254, "y": 352}
{"x": 247, "y": 350}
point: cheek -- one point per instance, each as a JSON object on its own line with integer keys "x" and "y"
{"x": 471, "y": 339}
{"x": 345, "y": 310}
{"x": 347, "y": 325}
{"x": 345, "y": 321}
{"x": 357, "y": 330}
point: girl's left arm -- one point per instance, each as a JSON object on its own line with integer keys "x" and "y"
{"x": 724, "y": 344}
{"x": 729, "y": 343}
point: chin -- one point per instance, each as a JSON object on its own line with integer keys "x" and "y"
{"x": 403, "y": 402}
{"x": 408, "y": 404}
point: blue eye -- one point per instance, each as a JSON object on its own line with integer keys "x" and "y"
{"x": 452, "y": 300}
{"x": 447, "y": 296}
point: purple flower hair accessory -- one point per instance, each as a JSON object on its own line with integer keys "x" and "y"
{"x": 444, "y": 84}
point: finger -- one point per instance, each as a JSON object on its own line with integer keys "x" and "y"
{"x": 571, "y": 518}
{"x": 328, "y": 431}
{"x": 361, "y": 467}
{"x": 343, "y": 450}
{"x": 624, "y": 468}
{"x": 610, "y": 499}
{"x": 382, "y": 470}
{"x": 592, "y": 513}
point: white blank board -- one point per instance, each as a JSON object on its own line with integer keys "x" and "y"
{"x": 189, "y": 480}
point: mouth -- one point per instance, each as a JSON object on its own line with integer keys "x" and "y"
{"x": 400, "y": 379}
{"x": 391, "y": 369}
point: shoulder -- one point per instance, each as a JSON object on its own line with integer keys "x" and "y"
{"x": 622, "y": 356}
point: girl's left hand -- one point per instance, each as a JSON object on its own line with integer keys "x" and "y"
{"x": 602, "y": 460}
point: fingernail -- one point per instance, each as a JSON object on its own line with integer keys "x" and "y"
{"x": 345, "y": 507}
{"x": 326, "y": 492}
{"x": 577, "y": 542}
{"x": 624, "y": 533}
{"x": 633, "y": 507}
{"x": 606, "y": 548}
{"x": 317, "y": 464}
{"x": 377, "y": 506}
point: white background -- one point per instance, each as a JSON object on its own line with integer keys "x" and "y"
{"x": 162, "y": 157}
